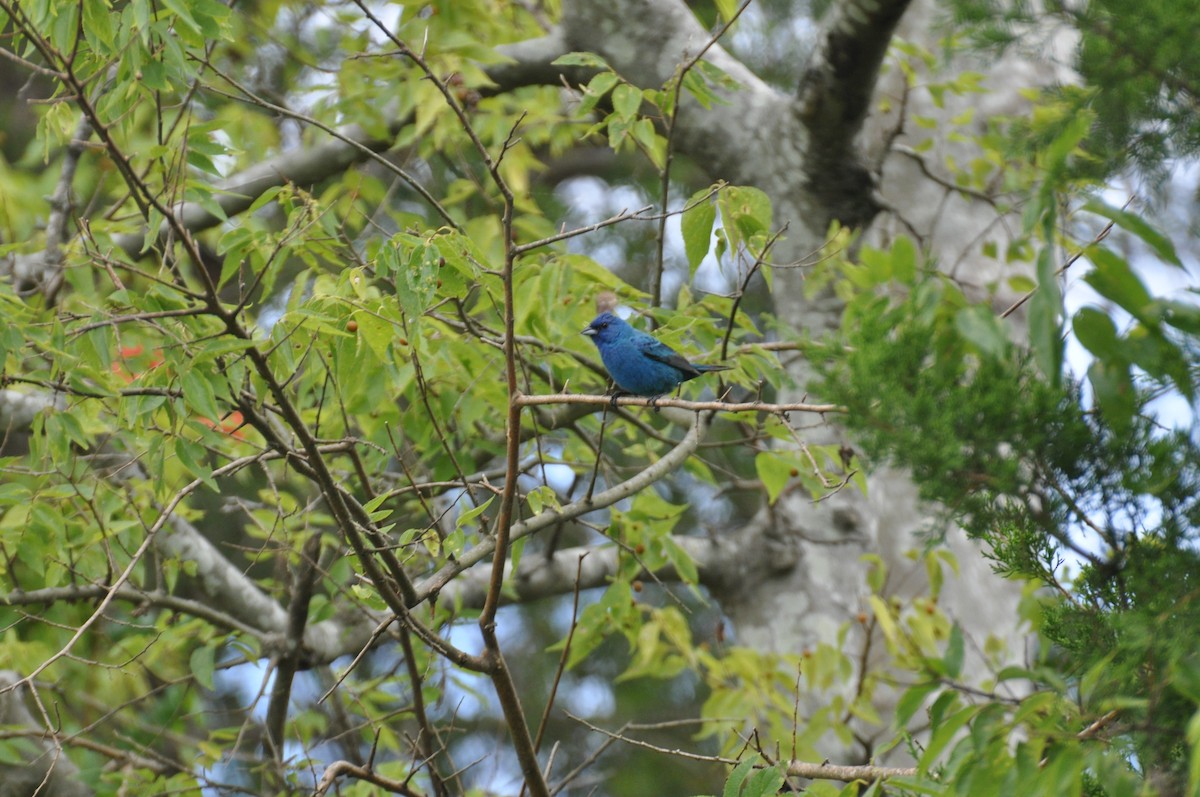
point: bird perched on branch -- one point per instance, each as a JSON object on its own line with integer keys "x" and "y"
{"x": 639, "y": 363}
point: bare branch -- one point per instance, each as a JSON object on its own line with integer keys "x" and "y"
{"x": 694, "y": 406}
{"x": 847, "y": 774}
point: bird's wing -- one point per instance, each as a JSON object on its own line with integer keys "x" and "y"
{"x": 657, "y": 350}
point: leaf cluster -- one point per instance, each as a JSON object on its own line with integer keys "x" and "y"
{"x": 1050, "y": 486}
{"x": 1139, "y": 70}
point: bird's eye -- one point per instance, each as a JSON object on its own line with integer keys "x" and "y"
{"x": 604, "y": 325}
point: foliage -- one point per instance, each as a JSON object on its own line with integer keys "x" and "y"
{"x": 1051, "y": 485}
{"x": 315, "y": 386}
{"x": 274, "y": 457}
{"x": 1140, "y": 74}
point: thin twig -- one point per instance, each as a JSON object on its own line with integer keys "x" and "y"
{"x": 669, "y": 154}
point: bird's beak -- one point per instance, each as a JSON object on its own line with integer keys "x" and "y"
{"x": 589, "y": 332}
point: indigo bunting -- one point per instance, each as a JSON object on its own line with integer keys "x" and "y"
{"x": 637, "y": 362}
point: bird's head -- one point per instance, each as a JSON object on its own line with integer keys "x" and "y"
{"x": 605, "y": 327}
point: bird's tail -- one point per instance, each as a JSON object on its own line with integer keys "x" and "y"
{"x": 704, "y": 369}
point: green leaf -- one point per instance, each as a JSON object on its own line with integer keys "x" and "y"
{"x": 1097, "y": 333}
{"x": 375, "y": 332}
{"x": 1114, "y": 279}
{"x": 884, "y": 618}
{"x": 199, "y": 393}
{"x": 580, "y": 59}
{"x": 599, "y": 86}
{"x": 696, "y": 226}
{"x": 626, "y": 100}
{"x": 262, "y": 200}
{"x": 764, "y": 782}
{"x": 746, "y": 209}
{"x": 416, "y": 282}
{"x": 953, "y": 660}
{"x": 1136, "y": 225}
{"x": 904, "y": 260}
{"x": 979, "y": 325}
{"x": 1063, "y": 772}
{"x": 911, "y": 701}
{"x": 726, "y": 8}
{"x": 1184, "y": 317}
{"x": 774, "y": 470}
{"x": 191, "y": 455}
{"x": 654, "y": 145}
{"x": 203, "y": 663}
{"x": 541, "y": 497}
{"x": 696, "y": 86}
{"x": 375, "y": 503}
{"x": 472, "y": 513}
{"x": 1064, "y": 144}
{"x": 98, "y": 21}
{"x": 1045, "y": 331}
{"x": 682, "y": 561}
{"x": 733, "y": 784}
{"x": 943, "y": 731}
{"x": 1113, "y": 389}
{"x": 1193, "y": 738}
{"x": 1161, "y": 358}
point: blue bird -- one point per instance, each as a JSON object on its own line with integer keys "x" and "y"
{"x": 639, "y": 363}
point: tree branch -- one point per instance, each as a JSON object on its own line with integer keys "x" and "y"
{"x": 694, "y": 406}
{"x": 50, "y": 772}
{"x": 847, "y": 774}
{"x": 673, "y": 459}
{"x": 835, "y": 94}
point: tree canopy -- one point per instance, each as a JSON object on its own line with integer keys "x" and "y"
{"x": 312, "y": 486}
